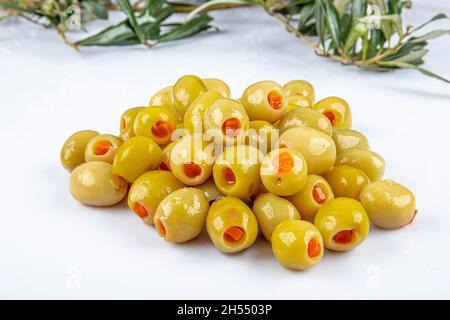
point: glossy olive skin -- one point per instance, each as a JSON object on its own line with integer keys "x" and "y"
{"x": 270, "y": 210}
{"x": 340, "y": 110}
{"x": 217, "y": 85}
{"x": 298, "y": 100}
{"x": 147, "y": 121}
{"x": 193, "y": 118}
{"x": 216, "y": 117}
{"x": 149, "y": 190}
{"x": 164, "y": 99}
{"x": 231, "y": 212}
{"x": 369, "y": 162}
{"x": 342, "y": 214}
{"x": 304, "y": 200}
{"x": 165, "y": 159}
{"x": 182, "y": 215}
{"x": 92, "y": 183}
{"x": 300, "y": 87}
{"x": 290, "y": 244}
{"x": 389, "y": 204}
{"x": 114, "y": 142}
{"x": 281, "y": 180}
{"x": 255, "y": 99}
{"x": 210, "y": 190}
{"x": 73, "y": 149}
{"x": 262, "y": 135}
{"x": 191, "y": 150}
{"x": 348, "y": 139}
{"x": 305, "y": 117}
{"x": 127, "y": 123}
{"x": 317, "y": 148}
{"x": 236, "y": 171}
{"x": 185, "y": 90}
{"x": 346, "y": 181}
{"x": 135, "y": 157}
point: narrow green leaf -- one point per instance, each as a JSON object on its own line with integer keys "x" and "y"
{"x": 359, "y": 8}
{"x": 374, "y": 43}
{"x": 413, "y": 56}
{"x": 95, "y": 8}
{"x": 152, "y": 7}
{"x": 406, "y": 65}
{"x": 346, "y": 24}
{"x": 356, "y": 32}
{"x": 395, "y": 6}
{"x": 319, "y": 14}
{"x": 129, "y": 12}
{"x": 405, "y": 49}
{"x": 305, "y": 16}
{"x": 436, "y": 17}
{"x": 189, "y": 28}
{"x": 332, "y": 22}
{"x": 429, "y": 36}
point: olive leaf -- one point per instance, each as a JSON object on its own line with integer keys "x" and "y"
{"x": 189, "y": 28}
{"x": 332, "y": 23}
{"x": 319, "y": 14}
{"x": 405, "y": 65}
{"x": 430, "y": 36}
{"x": 436, "y": 17}
{"x": 129, "y": 12}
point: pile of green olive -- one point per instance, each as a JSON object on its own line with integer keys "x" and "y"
{"x": 273, "y": 161}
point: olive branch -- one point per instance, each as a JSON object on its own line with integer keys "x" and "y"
{"x": 368, "y": 34}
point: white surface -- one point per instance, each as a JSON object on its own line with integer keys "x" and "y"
{"x": 53, "y": 247}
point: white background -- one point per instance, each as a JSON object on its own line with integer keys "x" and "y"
{"x": 53, "y": 247}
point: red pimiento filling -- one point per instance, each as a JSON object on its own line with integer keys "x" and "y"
{"x": 344, "y": 236}
{"x": 233, "y": 234}
{"x": 285, "y": 162}
{"x": 161, "y": 129}
{"x": 275, "y": 100}
{"x": 164, "y": 166}
{"x": 192, "y": 170}
{"x": 330, "y": 115}
{"x": 318, "y": 195}
{"x": 314, "y": 248}
{"x": 101, "y": 148}
{"x": 231, "y": 127}
{"x": 161, "y": 229}
{"x": 228, "y": 176}
{"x": 412, "y": 219}
{"x": 140, "y": 210}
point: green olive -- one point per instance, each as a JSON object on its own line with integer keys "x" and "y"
{"x": 185, "y": 90}
{"x": 135, "y": 157}
{"x": 231, "y": 225}
{"x": 270, "y": 210}
{"x": 300, "y": 87}
{"x": 181, "y": 216}
{"x": 127, "y": 123}
{"x": 156, "y": 123}
{"x": 264, "y": 100}
{"x": 371, "y": 163}
{"x": 73, "y": 149}
{"x": 210, "y": 190}
{"x": 236, "y": 171}
{"x": 149, "y": 190}
{"x": 343, "y": 224}
{"x": 92, "y": 183}
{"x": 262, "y": 135}
{"x": 346, "y": 181}
{"x": 165, "y": 160}
{"x": 193, "y": 118}
{"x": 164, "y": 99}
{"x": 389, "y": 204}
{"x": 317, "y": 148}
{"x": 192, "y": 159}
{"x": 217, "y": 85}
{"x": 348, "y": 139}
{"x": 284, "y": 171}
{"x": 297, "y": 244}
{"x": 336, "y": 110}
{"x": 312, "y": 197}
{"x": 226, "y": 122}
{"x": 102, "y": 147}
{"x": 298, "y": 100}
{"x": 305, "y": 117}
